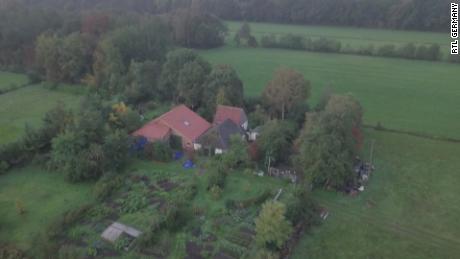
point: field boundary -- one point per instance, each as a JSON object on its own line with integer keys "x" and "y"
{"x": 11, "y": 89}
{"x": 412, "y": 133}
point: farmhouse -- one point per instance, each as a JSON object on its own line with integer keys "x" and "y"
{"x": 235, "y": 114}
{"x": 217, "y": 138}
{"x": 180, "y": 121}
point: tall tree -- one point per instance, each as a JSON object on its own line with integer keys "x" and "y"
{"x": 287, "y": 89}
{"x": 329, "y": 143}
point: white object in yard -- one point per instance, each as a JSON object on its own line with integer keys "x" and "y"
{"x": 114, "y": 231}
{"x": 196, "y": 146}
{"x": 260, "y": 173}
{"x": 361, "y": 188}
{"x": 278, "y": 194}
{"x": 219, "y": 151}
{"x": 324, "y": 213}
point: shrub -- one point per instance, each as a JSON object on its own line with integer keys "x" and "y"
{"x": 158, "y": 151}
{"x": 215, "y": 177}
{"x": 268, "y": 41}
{"x": 387, "y": 50}
{"x": 292, "y": 41}
{"x": 106, "y": 186}
{"x": 135, "y": 201}
{"x": 216, "y": 192}
{"x": 326, "y": 45}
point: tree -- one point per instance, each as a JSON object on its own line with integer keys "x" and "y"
{"x": 237, "y": 155}
{"x": 272, "y": 228}
{"x": 175, "y": 62}
{"x": 223, "y": 87}
{"x": 329, "y": 143}
{"x": 142, "y": 81}
{"x": 196, "y": 29}
{"x": 190, "y": 87}
{"x": 63, "y": 59}
{"x": 287, "y": 89}
{"x": 275, "y": 140}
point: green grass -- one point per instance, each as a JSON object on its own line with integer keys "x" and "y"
{"x": 28, "y": 105}
{"x": 355, "y": 37}
{"x": 45, "y": 197}
{"x": 10, "y": 80}
{"x": 401, "y": 94}
{"x": 409, "y": 210}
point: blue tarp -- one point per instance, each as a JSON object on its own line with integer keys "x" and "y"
{"x": 139, "y": 144}
{"x": 189, "y": 164}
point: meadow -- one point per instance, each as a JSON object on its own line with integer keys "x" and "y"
{"x": 28, "y": 105}
{"x": 43, "y": 195}
{"x": 11, "y": 80}
{"x": 402, "y": 94}
{"x": 409, "y": 209}
{"x": 354, "y": 37}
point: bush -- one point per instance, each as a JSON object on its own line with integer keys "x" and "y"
{"x": 387, "y": 50}
{"x": 216, "y": 192}
{"x": 135, "y": 201}
{"x": 326, "y": 45}
{"x": 158, "y": 151}
{"x": 292, "y": 41}
{"x": 268, "y": 41}
{"x": 216, "y": 177}
{"x": 106, "y": 186}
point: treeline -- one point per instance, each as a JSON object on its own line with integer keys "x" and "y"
{"x": 408, "y": 50}
{"x": 397, "y": 14}
{"x": 35, "y": 38}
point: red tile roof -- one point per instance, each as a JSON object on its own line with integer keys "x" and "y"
{"x": 153, "y": 130}
{"x": 180, "y": 119}
{"x": 235, "y": 114}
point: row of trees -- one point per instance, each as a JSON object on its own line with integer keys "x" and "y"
{"x": 322, "y": 44}
{"x": 71, "y": 43}
{"x": 399, "y": 14}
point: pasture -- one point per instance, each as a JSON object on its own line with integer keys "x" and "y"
{"x": 354, "y": 37}
{"x": 11, "y": 80}
{"x": 409, "y": 209}
{"x": 43, "y": 195}
{"x": 28, "y": 105}
{"x": 401, "y": 94}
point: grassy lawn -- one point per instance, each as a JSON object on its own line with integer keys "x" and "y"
{"x": 401, "y": 94}
{"x": 410, "y": 209}
{"x": 355, "y": 37}
{"x": 28, "y": 106}
{"x": 44, "y": 195}
{"x": 10, "y": 80}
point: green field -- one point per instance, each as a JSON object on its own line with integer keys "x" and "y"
{"x": 409, "y": 210}
{"x": 355, "y": 37}
{"x": 402, "y": 94}
{"x": 11, "y": 80}
{"x": 28, "y": 106}
{"x": 44, "y": 195}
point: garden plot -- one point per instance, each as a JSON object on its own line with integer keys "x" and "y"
{"x": 177, "y": 214}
